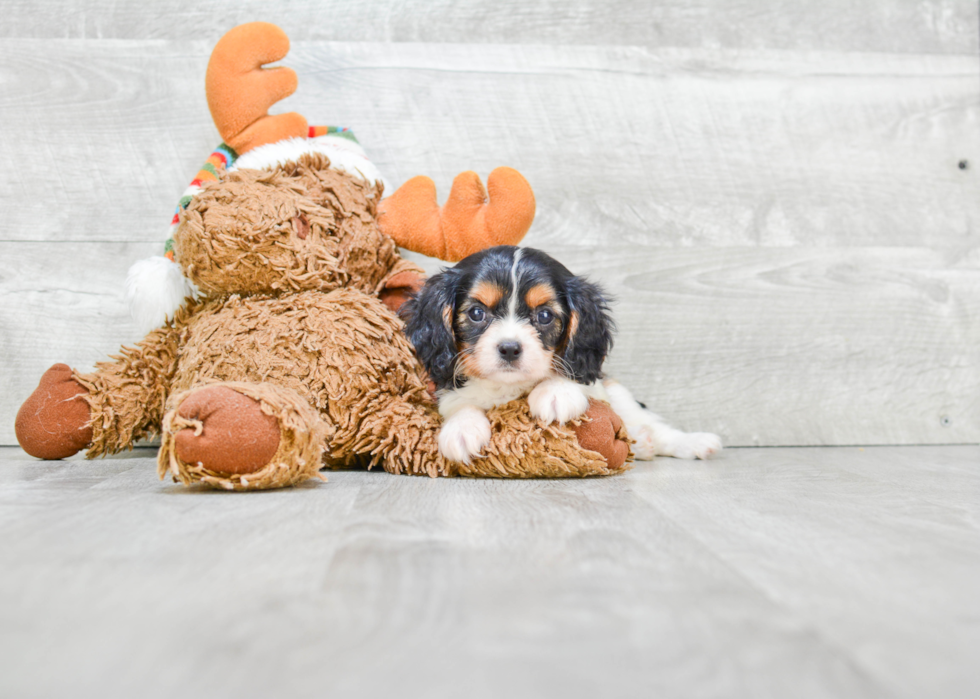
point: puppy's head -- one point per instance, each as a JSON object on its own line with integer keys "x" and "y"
{"x": 510, "y": 315}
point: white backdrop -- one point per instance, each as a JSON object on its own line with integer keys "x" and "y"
{"x": 781, "y": 195}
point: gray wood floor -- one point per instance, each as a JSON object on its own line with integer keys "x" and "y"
{"x": 833, "y": 572}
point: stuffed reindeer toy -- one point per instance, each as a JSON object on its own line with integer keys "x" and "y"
{"x": 273, "y": 347}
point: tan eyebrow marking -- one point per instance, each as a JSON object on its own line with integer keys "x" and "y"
{"x": 538, "y": 295}
{"x": 487, "y": 293}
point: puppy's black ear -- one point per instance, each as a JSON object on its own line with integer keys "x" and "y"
{"x": 429, "y": 324}
{"x": 590, "y": 331}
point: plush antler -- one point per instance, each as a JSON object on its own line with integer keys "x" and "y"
{"x": 469, "y": 222}
{"x": 240, "y": 91}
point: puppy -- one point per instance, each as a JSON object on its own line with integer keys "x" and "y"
{"x": 508, "y": 322}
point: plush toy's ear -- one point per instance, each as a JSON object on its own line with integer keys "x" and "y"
{"x": 240, "y": 91}
{"x": 429, "y": 325}
{"x": 590, "y": 331}
{"x": 155, "y": 288}
{"x": 472, "y": 219}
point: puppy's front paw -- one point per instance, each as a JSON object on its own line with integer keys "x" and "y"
{"x": 694, "y": 445}
{"x": 557, "y": 400}
{"x": 464, "y": 435}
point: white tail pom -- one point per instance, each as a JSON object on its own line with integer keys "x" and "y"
{"x": 155, "y": 289}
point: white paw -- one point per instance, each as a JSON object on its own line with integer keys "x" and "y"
{"x": 645, "y": 441}
{"x": 557, "y": 400}
{"x": 464, "y": 435}
{"x": 693, "y": 445}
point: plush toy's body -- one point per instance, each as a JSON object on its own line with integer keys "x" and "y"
{"x": 291, "y": 262}
{"x": 292, "y": 357}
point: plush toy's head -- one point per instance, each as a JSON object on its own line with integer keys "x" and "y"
{"x": 302, "y": 226}
{"x": 240, "y": 235}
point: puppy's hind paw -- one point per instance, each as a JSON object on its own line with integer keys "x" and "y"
{"x": 644, "y": 442}
{"x": 464, "y": 435}
{"x": 694, "y": 445}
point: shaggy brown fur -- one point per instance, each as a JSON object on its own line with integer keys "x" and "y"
{"x": 290, "y": 263}
{"x": 300, "y": 227}
{"x": 521, "y": 447}
{"x": 127, "y": 395}
{"x": 344, "y": 352}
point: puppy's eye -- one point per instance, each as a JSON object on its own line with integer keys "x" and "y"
{"x": 544, "y": 317}
{"x": 477, "y": 314}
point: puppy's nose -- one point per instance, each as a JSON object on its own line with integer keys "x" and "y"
{"x": 509, "y": 351}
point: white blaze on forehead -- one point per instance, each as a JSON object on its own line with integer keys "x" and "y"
{"x": 514, "y": 286}
{"x": 510, "y": 329}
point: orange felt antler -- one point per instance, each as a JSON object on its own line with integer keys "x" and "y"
{"x": 469, "y": 222}
{"x": 240, "y": 91}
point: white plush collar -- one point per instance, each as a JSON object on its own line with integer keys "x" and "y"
{"x": 344, "y": 154}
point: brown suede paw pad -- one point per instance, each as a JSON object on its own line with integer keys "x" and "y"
{"x": 604, "y": 433}
{"x": 232, "y": 434}
{"x": 54, "y": 422}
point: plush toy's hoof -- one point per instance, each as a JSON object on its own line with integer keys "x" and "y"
{"x": 241, "y": 436}
{"x": 55, "y": 422}
{"x": 604, "y": 433}
{"x": 231, "y": 434}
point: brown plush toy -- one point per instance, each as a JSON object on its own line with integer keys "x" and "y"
{"x": 289, "y": 356}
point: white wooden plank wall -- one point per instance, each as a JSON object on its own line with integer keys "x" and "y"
{"x": 772, "y": 190}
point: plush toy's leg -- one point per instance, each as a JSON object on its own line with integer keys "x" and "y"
{"x": 521, "y": 447}
{"x": 126, "y": 396}
{"x": 54, "y": 422}
{"x": 242, "y": 436}
{"x": 403, "y": 437}
{"x": 399, "y": 433}
{"x": 107, "y": 410}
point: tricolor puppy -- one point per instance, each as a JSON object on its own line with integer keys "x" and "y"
{"x": 508, "y": 322}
